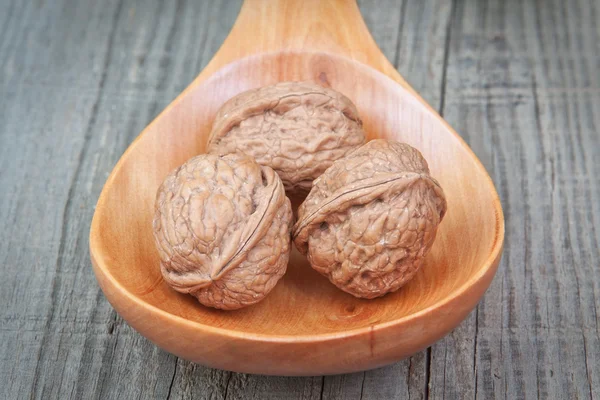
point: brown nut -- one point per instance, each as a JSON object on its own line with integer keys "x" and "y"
{"x": 222, "y": 228}
{"x": 371, "y": 218}
{"x": 296, "y": 128}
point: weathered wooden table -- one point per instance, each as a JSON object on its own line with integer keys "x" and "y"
{"x": 519, "y": 80}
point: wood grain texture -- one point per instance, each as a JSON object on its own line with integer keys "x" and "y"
{"x": 79, "y": 80}
{"x": 522, "y": 88}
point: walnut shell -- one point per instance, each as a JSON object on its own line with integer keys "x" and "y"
{"x": 222, "y": 228}
{"x": 296, "y": 128}
{"x": 371, "y": 218}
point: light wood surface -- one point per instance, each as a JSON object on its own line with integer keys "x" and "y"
{"x": 80, "y": 80}
{"x": 305, "y": 326}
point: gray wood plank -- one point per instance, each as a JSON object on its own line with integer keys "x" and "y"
{"x": 522, "y": 89}
{"x": 38, "y": 159}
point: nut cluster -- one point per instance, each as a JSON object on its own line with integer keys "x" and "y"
{"x": 223, "y": 223}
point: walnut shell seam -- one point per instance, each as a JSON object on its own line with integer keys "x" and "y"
{"x": 357, "y": 194}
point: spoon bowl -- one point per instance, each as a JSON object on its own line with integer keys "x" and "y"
{"x": 306, "y": 326}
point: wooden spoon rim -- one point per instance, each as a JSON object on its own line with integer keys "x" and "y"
{"x": 489, "y": 269}
{"x": 471, "y": 286}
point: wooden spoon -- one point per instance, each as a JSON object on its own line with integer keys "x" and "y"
{"x": 306, "y": 326}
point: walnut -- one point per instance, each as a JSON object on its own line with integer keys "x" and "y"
{"x": 371, "y": 218}
{"x": 296, "y": 128}
{"x": 222, "y": 228}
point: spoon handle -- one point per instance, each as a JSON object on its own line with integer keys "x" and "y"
{"x": 322, "y": 26}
